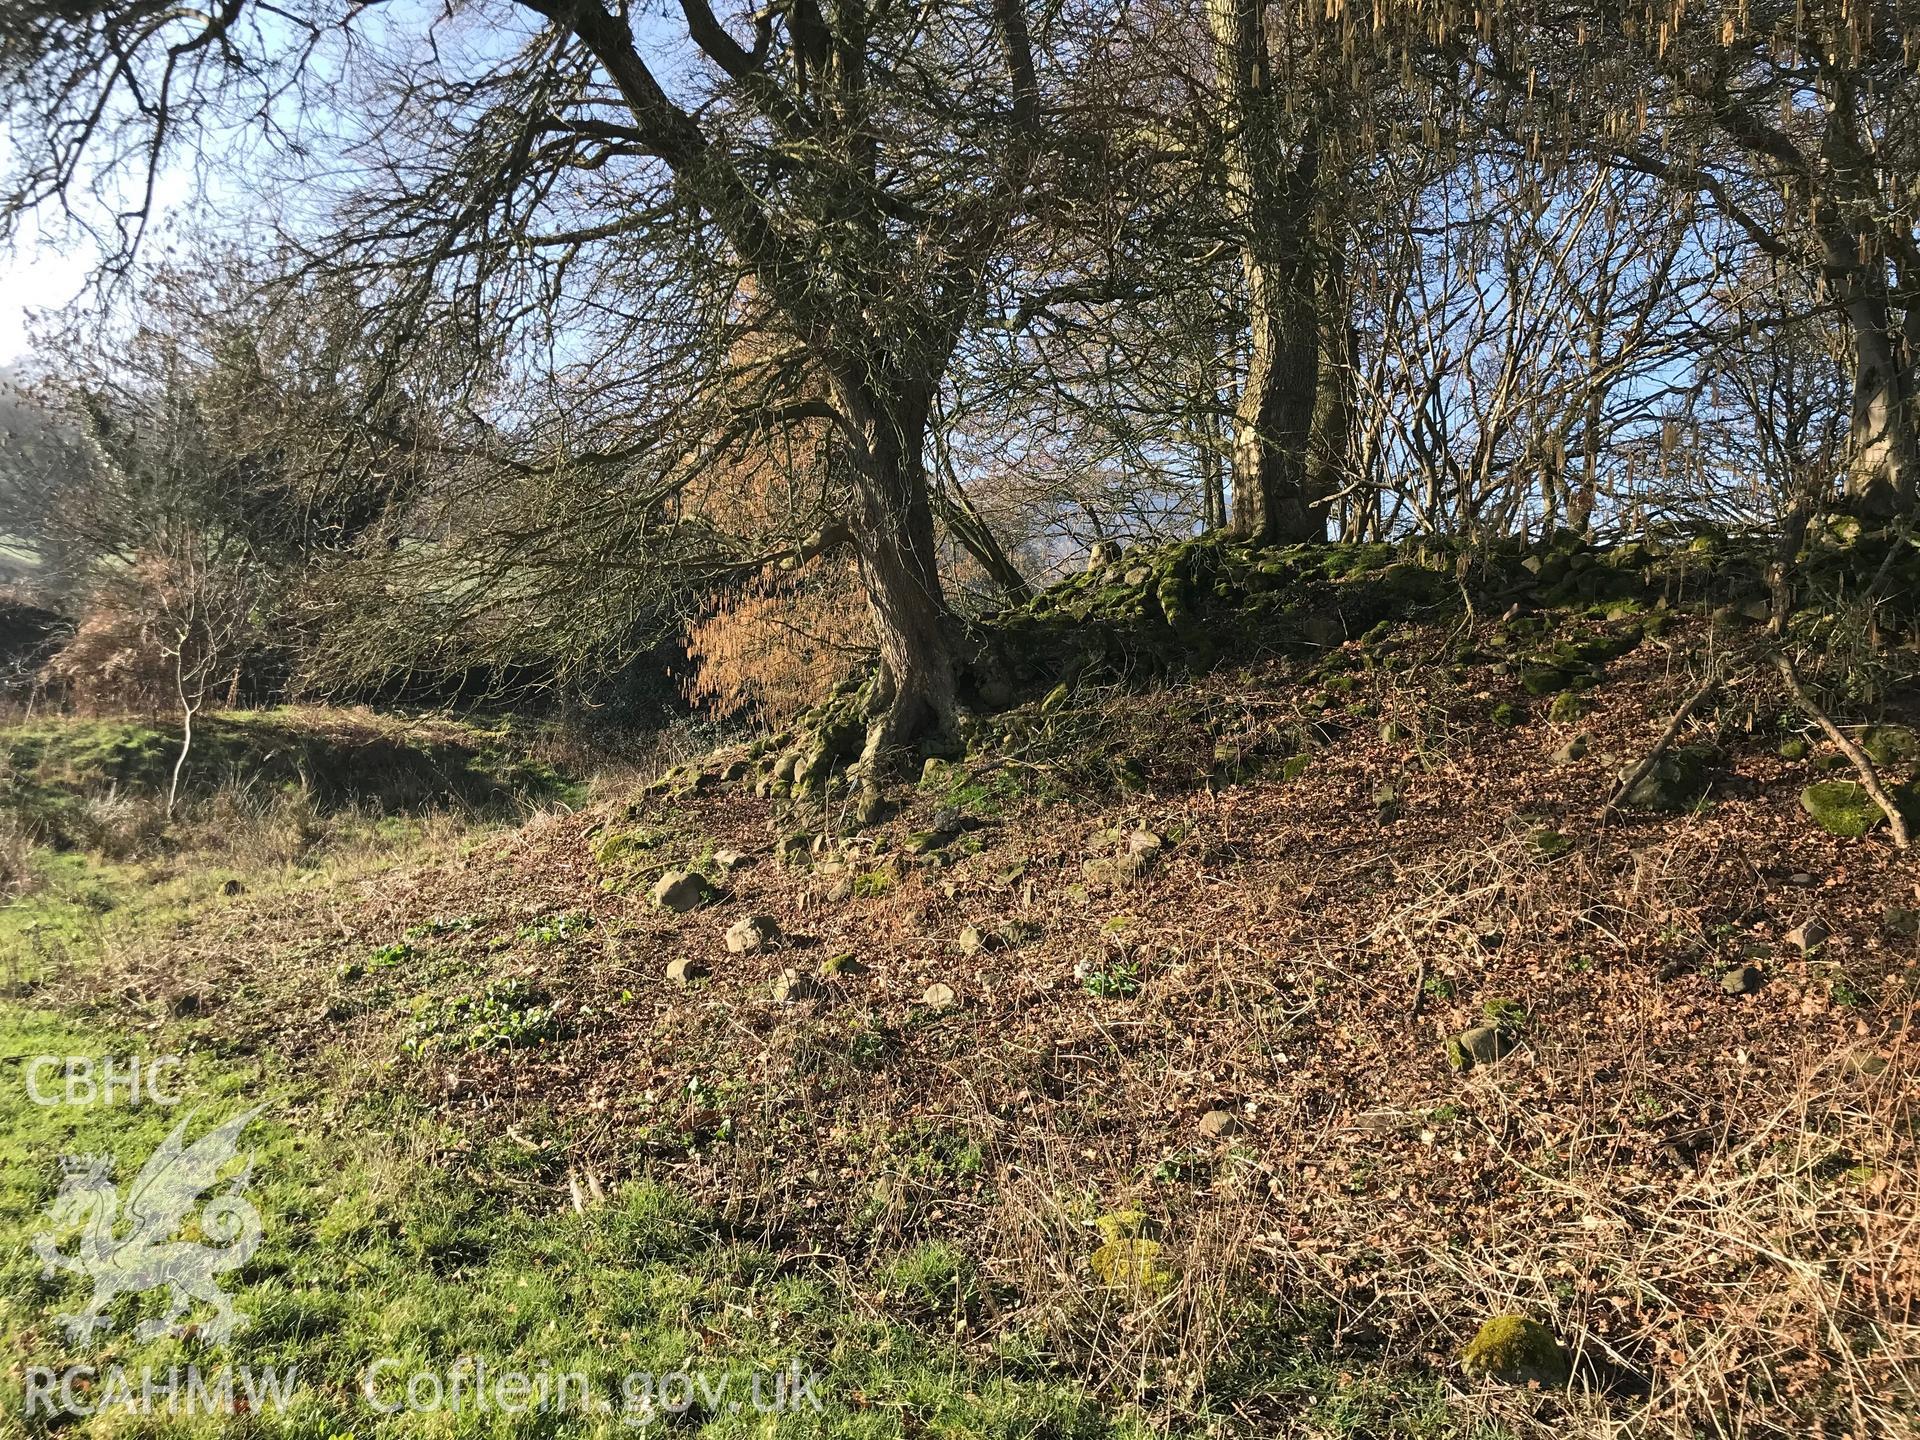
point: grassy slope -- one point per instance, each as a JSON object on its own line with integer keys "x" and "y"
{"x": 51, "y": 769}
{"x": 388, "y": 1232}
{"x": 1702, "y": 1192}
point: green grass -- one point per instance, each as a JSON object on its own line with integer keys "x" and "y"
{"x": 376, "y": 1249}
{"x": 54, "y": 772}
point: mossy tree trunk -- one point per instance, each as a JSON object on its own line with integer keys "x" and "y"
{"x": 1271, "y": 174}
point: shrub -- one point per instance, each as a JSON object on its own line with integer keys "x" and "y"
{"x": 779, "y": 645}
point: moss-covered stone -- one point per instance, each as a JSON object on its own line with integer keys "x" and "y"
{"x": 1677, "y": 781}
{"x": 1841, "y": 807}
{"x": 1891, "y": 745}
{"x": 1515, "y": 1350}
{"x": 1546, "y": 680}
{"x": 1545, "y": 844}
{"x": 1133, "y": 1263}
{"x": 620, "y": 852}
{"x": 1479, "y": 1045}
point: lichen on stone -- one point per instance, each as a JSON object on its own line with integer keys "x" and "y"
{"x": 1128, "y": 1258}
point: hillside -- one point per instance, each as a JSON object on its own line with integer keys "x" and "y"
{"x": 1220, "y": 1049}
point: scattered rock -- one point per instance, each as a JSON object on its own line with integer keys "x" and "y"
{"x": 1138, "y": 576}
{"x": 232, "y": 887}
{"x": 974, "y": 940}
{"x": 1145, "y": 843}
{"x": 793, "y": 852}
{"x": 1574, "y": 749}
{"x": 756, "y": 932}
{"x": 872, "y": 808}
{"x": 686, "y": 970}
{"x": 1888, "y": 745}
{"x": 1676, "y": 782}
{"x": 1808, "y": 936}
{"x": 1674, "y": 969}
{"x": 1218, "y": 1124}
{"x": 681, "y": 891}
{"x": 1516, "y": 1351}
{"x": 1481, "y": 1045}
{"x": 1117, "y": 870}
{"x": 728, "y": 860}
{"x": 1901, "y": 921}
{"x": 1794, "y": 747}
{"x": 795, "y": 985}
{"x": 1801, "y": 880}
{"x": 1743, "y": 980}
{"x": 938, "y": 996}
{"x": 948, "y": 820}
{"x": 1322, "y": 631}
{"x": 841, "y": 967}
{"x": 1864, "y": 1064}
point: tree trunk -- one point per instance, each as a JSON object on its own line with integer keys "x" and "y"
{"x": 1273, "y": 423}
{"x": 1334, "y": 406}
{"x": 1269, "y": 195}
{"x": 1213, "y": 490}
{"x": 1883, "y": 450}
{"x": 913, "y": 695}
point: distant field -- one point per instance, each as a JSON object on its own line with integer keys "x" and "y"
{"x": 18, "y": 558}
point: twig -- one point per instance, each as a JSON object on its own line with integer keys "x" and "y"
{"x": 1862, "y": 763}
{"x": 1645, "y": 767}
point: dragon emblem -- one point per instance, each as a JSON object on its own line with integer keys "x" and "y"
{"x": 132, "y": 1249}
